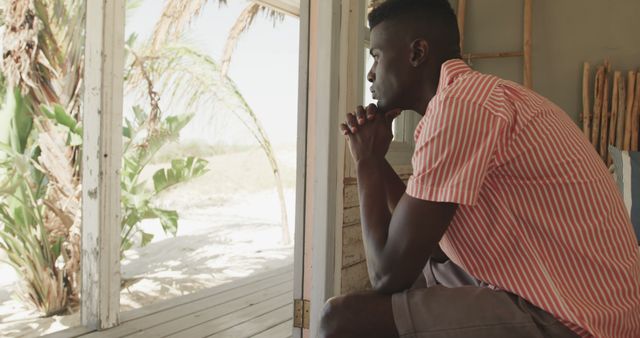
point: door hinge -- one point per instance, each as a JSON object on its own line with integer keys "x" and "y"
{"x": 301, "y": 310}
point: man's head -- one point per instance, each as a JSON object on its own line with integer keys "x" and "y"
{"x": 410, "y": 39}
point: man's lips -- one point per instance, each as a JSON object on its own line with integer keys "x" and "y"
{"x": 373, "y": 94}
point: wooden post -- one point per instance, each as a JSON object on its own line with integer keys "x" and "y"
{"x": 635, "y": 119}
{"x": 597, "y": 106}
{"x": 631, "y": 88}
{"x": 101, "y": 162}
{"x": 461, "y": 14}
{"x": 586, "y": 102}
{"x": 604, "y": 121}
{"x": 622, "y": 109}
{"x": 613, "y": 124}
{"x": 528, "y": 12}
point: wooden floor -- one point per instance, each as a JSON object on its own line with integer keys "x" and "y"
{"x": 258, "y": 306}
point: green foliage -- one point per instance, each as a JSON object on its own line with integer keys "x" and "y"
{"x": 180, "y": 171}
{"x": 16, "y": 120}
{"x": 30, "y": 248}
{"x": 144, "y": 136}
{"x": 63, "y": 119}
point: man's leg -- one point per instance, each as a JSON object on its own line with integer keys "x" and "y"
{"x": 452, "y": 304}
{"x": 363, "y": 314}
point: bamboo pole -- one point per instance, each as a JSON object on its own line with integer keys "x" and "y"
{"x": 635, "y": 120}
{"x": 604, "y": 122}
{"x": 631, "y": 87}
{"x": 605, "y": 112}
{"x": 622, "y": 109}
{"x": 586, "y": 104}
{"x": 597, "y": 106}
{"x": 528, "y": 12}
{"x": 462, "y": 12}
{"x": 613, "y": 124}
{"x": 498, "y": 55}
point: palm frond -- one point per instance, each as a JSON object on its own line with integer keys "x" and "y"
{"x": 242, "y": 24}
{"x": 62, "y": 47}
{"x": 22, "y": 63}
{"x": 176, "y": 17}
{"x": 195, "y": 82}
{"x": 244, "y": 20}
{"x": 42, "y": 49}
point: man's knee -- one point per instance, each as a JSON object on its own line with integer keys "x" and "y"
{"x": 334, "y": 313}
{"x": 361, "y": 314}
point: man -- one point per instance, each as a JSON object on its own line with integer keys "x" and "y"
{"x": 539, "y": 242}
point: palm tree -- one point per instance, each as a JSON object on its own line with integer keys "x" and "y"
{"x": 42, "y": 51}
{"x": 175, "y": 19}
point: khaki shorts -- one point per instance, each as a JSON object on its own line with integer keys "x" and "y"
{"x": 450, "y": 303}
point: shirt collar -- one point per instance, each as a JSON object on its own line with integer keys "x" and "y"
{"x": 451, "y": 70}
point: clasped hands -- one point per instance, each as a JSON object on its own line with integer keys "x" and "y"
{"x": 368, "y": 132}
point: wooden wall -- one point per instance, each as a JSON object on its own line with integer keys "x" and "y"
{"x": 354, "y": 276}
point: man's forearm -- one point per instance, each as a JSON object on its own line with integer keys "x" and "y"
{"x": 394, "y": 186}
{"x": 374, "y": 210}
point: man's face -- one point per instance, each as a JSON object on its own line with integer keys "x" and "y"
{"x": 391, "y": 73}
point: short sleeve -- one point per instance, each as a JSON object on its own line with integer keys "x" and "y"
{"x": 456, "y": 143}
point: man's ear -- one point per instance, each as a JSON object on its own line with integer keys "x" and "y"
{"x": 419, "y": 52}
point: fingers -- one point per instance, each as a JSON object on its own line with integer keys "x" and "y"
{"x": 372, "y": 109}
{"x": 358, "y": 118}
{"x": 361, "y": 115}
{"x": 344, "y": 129}
{"x": 352, "y": 123}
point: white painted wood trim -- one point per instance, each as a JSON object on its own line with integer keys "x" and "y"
{"x": 326, "y": 161}
{"x": 301, "y": 158}
{"x": 352, "y": 64}
{"x": 353, "y": 59}
{"x": 101, "y": 163}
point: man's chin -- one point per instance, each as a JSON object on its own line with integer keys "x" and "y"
{"x": 383, "y": 107}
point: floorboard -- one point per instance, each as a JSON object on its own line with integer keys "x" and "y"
{"x": 259, "y": 306}
{"x": 284, "y": 329}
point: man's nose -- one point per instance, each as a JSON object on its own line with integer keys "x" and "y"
{"x": 371, "y": 76}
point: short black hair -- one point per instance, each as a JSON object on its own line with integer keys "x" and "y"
{"x": 434, "y": 17}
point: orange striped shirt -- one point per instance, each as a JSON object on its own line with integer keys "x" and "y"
{"x": 539, "y": 215}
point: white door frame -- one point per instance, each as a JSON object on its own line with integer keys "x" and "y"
{"x": 325, "y": 158}
{"x": 321, "y": 151}
{"x": 301, "y": 159}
